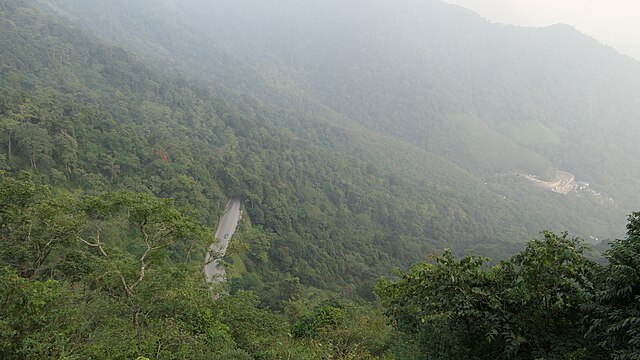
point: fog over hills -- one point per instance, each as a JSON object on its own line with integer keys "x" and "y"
{"x": 612, "y": 22}
{"x": 362, "y": 150}
{"x": 490, "y": 98}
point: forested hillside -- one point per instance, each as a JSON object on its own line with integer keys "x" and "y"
{"x": 333, "y": 204}
{"x": 125, "y": 126}
{"x": 488, "y": 98}
{"x": 546, "y": 302}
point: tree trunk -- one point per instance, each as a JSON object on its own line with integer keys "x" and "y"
{"x": 9, "y": 147}
{"x": 136, "y": 324}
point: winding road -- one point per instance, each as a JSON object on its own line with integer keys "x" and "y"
{"x": 213, "y": 269}
{"x": 567, "y": 182}
{"x": 564, "y": 183}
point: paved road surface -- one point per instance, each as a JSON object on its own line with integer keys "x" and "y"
{"x": 227, "y": 226}
{"x": 564, "y": 183}
{"x": 567, "y": 183}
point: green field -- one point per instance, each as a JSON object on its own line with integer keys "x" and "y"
{"x": 535, "y": 133}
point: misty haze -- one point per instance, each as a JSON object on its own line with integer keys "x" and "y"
{"x": 337, "y": 179}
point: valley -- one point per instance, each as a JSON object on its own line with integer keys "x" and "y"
{"x": 349, "y": 179}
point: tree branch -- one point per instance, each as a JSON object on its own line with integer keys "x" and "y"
{"x": 97, "y": 243}
{"x": 143, "y": 267}
{"x": 124, "y": 284}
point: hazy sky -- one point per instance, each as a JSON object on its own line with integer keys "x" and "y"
{"x": 613, "y": 22}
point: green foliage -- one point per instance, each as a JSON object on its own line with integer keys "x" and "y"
{"x": 100, "y": 264}
{"x": 347, "y": 330}
{"x": 124, "y": 283}
{"x": 37, "y": 319}
{"x": 545, "y": 287}
{"x": 258, "y": 331}
{"x": 616, "y": 324}
{"x": 528, "y": 307}
{"x": 111, "y": 276}
{"x": 524, "y": 89}
{"x": 36, "y": 227}
{"x": 345, "y": 187}
{"x": 327, "y": 315}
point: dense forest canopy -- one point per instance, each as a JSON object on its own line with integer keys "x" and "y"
{"x": 490, "y": 99}
{"x": 358, "y": 144}
{"x": 549, "y": 97}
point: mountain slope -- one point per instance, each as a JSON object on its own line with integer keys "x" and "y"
{"x": 491, "y": 99}
{"x": 337, "y": 204}
{"x": 336, "y": 192}
{"x": 405, "y": 69}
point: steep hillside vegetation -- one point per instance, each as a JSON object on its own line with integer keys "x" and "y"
{"x": 331, "y": 206}
{"x": 491, "y": 99}
{"x": 548, "y": 97}
{"x": 114, "y": 166}
{"x": 336, "y": 202}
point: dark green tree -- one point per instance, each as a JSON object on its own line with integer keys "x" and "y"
{"x": 9, "y": 125}
{"x": 35, "y": 225}
{"x": 528, "y": 307}
{"x": 150, "y": 228}
{"x": 37, "y": 318}
{"x": 616, "y": 324}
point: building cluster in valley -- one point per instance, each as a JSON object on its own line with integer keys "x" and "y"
{"x": 565, "y": 183}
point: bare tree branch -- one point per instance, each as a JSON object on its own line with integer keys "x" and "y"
{"x": 97, "y": 244}
{"x": 124, "y": 284}
{"x": 143, "y": 267}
